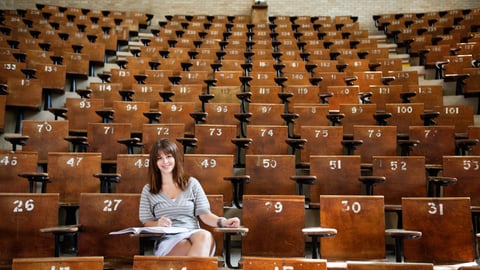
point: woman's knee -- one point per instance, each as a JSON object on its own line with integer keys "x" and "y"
{"x": 203, "y": 236}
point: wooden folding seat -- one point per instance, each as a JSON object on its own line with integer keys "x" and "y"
{"x": 133, "y": 173}
{"x": 78, "y": 66}
{"x": 282, "y": 239}
{"x": 364, "y": 79}
{"x": 210, "y": 170}
{"x": 323, "y": 65}
{"x": 376, "y": 141}
{"x": 310, "y": 114}
{"x": 266, "y": 114}
{"x": 187, "y": 93}
{"x": 264, "y": 263}
{"x": 405, "y": 115}
{"x": 384, "y": 94}
{"x": 342, "y": 95}
{"x": 262, "y": 78}
{"x": 360, "y": 225}
{"x": 228, "y": 78}
{"x": 330, "y": 79}
{"x": 350, "y": 66}
{"x": 3, "y": 102}
{"x": 160, "y": 76}
{"x": 404, "y": 78}
{"x": 15, "y": 163}
{"x": 464, "y": 169}
{"x": 222, "y": 113}
{"x": 432, "y": 54}
{"x": 131, "y": 112}
{"x": 262, "y": 168}
{"x": 267, "y": 139}
{"x": 467, "y": 48}
{"x": 178, "y": 112}
{"x": 460, "y": 116}
{"x": 430, "y": 95}
{"x": 90, "y": 262}
{"x": 405, "y": 177}
{"x": 222, "y": 135}
{"x": 151, "y": 133}
{"x": 437, "y": 246}
{"x": 71, "y": 174}
{"x": 429, "y": 136}
{"x": 451, "y": 66}
{"x": 126, "y": 77}
{"x": 102, "y": 213}
{"x": 52, "y": 76}
{"x": 137, "y": 62}
{"x": 24, "y": 93}
{"x": 45, "y": 136}
{"x": 265, "y": 93}
{"x": 108, "y": 91}
{"x": 24, "y": 214}
{"x": 386, "y": 64}
{"x": 327, "y": 169}
{"x": 104, "y": 138}
{"x": 356, "y": 114}
{"x": 175, "y": 262}
{"x": 329, "y": 137}
{"x": 388, "y": 266}
{"x": 146, "y": 92}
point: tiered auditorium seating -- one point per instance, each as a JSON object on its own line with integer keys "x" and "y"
{"x": 270, "y": 116}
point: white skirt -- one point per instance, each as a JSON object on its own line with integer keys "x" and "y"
{"x": 169, "y": 241}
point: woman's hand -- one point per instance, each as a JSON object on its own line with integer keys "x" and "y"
{"x": 233, "y": 222}
{"x": 164, "y": 222}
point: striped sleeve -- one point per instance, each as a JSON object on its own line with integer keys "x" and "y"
{"x": 144, "y": 212}
{"x": 202, "y": 206}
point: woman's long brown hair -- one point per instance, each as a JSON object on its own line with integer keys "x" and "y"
{"x": 168, "y": 147}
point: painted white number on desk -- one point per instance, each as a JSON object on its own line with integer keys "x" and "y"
{"x": 278, "y": 206}
{"x": 45, "y": 126}
{"x": 355, "y": 207}
{"x": 74, "y": 161}
{"x": 142, "y": 163}
{"x": 5, "y": 161}
{"x": 216, "y": 132}
{"x": 435, "y": 208}
{"x": 108, "y": 130}
{"x": 471, "y": 165}
{"x": 398, "y": 165}
{"x": 111, "y": 205}
{"x": 374, "y": 133}
{"x": 209, "y": 163}
{"x": 163, "y": 131}
{"x": 335, "y": 164}
{"x": 266, "y": 132}
{"x": 321, "y": 133}
{"x": 84, "y": 104}
{"x": 284, "y": 267}
{"x": 21, "y": 206}
{"x": 269, "y": 163}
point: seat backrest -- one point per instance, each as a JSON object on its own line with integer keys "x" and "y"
{"x": 268, "y": 139}
{"x": 285, "y": 216}
{"x": 430, "y": 95}
{"x": 133, "y": 170}
{"x": 12, "y": 164}
{"x": 131, "y": 112}
{"x": 73, "y": 173}
{"x": 215, "y": 139}
{"x": 80, "y": 112}
{"x": 405, "y": 177}
{"x": 47, "y": 263}
{"x": 24, "y": 214}
{"x": 103, "y": 138}
{"x": 465, "y": 170}
{"x": 45, "y": 136}
{"x": 360, "y": 222}
{"x": 210, "y": 169}
{"x": 265, "y": 263}
{"x": 342, "y": 95}
{"x": 321, "y": 140}
{"x": 460, "y": 116}
{"x": 357, "y": 114}
{"x": 101, "y": 213}
{"x": 336, "y": 175}
{"x": 451, "y": 244}
{"x": 270, "y": 174}
{"x": 429, "y": 138}
{"x": 175, "y": 262}
{"x": 108, "y": 91}
{"x": 24, "y": 93}
{"x": 151, "y": 133}
{"x": 404, "y": 115}
{"x": 266, "y": 113}
{"x": 377, "y": 141}
{"x": 177, "y": 112}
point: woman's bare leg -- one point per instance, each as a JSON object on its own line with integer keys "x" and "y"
{"x": 201, "y": 244}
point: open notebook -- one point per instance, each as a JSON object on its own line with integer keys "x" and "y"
{"x": 140, "y": 230}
